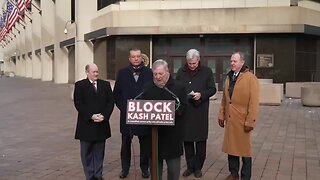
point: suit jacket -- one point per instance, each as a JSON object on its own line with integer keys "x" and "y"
{"x": 127, "y": 88}
{"x": 89, "y": 102}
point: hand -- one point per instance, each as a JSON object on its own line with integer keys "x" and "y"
{"x": 97, "y": 117}
{"x": 221, "y": 123}
{"x": 247, "y": 129}
{"x": 196, "y": 96}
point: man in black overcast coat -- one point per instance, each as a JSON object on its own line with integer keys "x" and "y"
{"x": 94, "y": 102}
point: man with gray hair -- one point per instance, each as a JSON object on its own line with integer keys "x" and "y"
{"x": 200, "y": 86}
{"x": 170, "y": 142}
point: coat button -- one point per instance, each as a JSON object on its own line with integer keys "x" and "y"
{"x": 229, "y": 102}
{"x": 229, "y": 116}
{"x": 189, "y": 82}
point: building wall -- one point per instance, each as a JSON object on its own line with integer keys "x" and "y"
{"x": 133, "y": 23}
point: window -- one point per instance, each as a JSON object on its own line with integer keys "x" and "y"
{"x": 73, "y": 10}
{"x": 104, "y": 3}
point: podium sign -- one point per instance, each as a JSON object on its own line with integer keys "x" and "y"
{"x": 150, "y": 112}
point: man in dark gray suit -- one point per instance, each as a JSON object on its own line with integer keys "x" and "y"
{"x": 94, "y": 102}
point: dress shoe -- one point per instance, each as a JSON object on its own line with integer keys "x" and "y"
{"x": 145, "y": 174}
{"x": 230, "y": 177}
{"x": 187, "y": 173}
{"x": 198, "y": 174}
{"x": 123, "y": 174}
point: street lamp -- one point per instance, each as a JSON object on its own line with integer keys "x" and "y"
{"x": 65, "y": 27}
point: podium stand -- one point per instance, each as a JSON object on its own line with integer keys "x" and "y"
{"x": 154, "y": 113}
{"x": 154, "y": 156}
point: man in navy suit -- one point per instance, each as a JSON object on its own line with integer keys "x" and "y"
{"x": 129, "y": 84}
{"x": 94, "y": 102}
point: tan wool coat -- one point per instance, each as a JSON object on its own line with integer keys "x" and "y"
{"x": 239, "y": 111}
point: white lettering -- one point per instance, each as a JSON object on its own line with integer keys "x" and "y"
{"x": 166, "y": 107}
{"x": 138, "y": 107}
{"x": 129, "y": 115}
{"x": 131, "y": 106}
{"x": 148, "y": 106}
{"x": 156, "y": 106}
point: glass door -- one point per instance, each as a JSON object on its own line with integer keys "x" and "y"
{"x": 220, "y": 66}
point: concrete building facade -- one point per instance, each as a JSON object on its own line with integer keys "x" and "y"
{"x": 280, "y": 38}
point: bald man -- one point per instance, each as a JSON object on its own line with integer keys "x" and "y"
{"x": 94, "y": 102}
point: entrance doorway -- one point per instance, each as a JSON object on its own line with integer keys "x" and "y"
{"x": 220, "y": 66}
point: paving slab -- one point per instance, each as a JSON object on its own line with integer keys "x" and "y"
{"x": 37, "y": 124}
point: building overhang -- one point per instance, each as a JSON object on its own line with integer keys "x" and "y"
{"x": 49, "y": 48}
{"x": 97, "y": 34}
{"x": 67, "y": 43}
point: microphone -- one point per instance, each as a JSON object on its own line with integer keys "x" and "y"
{"x": 177, "y": 104}
{"x": 138, "y": 96}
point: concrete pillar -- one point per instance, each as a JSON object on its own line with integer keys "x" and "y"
{"x": 36, "y": 42}
{"x": 28, "y": 48}
{"x": 47, "y": 38}
{"x": 62, "y": 15}
{"x": 83, "y": 50}
{"x": 100, "y": 57}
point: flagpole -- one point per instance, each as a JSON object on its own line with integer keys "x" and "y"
{"x": 40, "y": 11}
{"x": 17, "y": 29}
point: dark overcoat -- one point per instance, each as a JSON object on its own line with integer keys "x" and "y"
{"x": 126, "y": 88}
{"x": 89, "y": 102}
{"x": 196, "y": 117}
{"x": 170, "y": 138}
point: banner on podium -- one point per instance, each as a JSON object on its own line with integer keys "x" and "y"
{"x": 151, "y": 112}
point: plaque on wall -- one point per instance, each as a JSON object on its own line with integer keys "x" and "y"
{"x": 265, "y": 61}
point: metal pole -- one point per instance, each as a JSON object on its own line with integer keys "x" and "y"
{"x": 154, "y": 166}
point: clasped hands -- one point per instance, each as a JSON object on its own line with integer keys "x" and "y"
{"x": 97, "y": 117}
{"x": 246, "y": 128}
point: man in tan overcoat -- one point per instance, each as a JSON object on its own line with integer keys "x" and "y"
{"x": 238, "y": 114}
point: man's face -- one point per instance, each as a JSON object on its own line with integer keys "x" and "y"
{"x": 236, "y": 62}
{"x": 160, "y": 76}
{"x": 193, "y": 63}
{"x": 92, "y": 72}
{"x": 135, "y": 57}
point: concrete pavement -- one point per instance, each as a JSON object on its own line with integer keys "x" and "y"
{"x": 37, "y": 123}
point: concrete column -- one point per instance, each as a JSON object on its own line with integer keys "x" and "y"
{"x": 28, "y": 48}
{"x": 83, "y": 50}
{"x": 47, "y": 38}
{"x": 62, "y": 15}
{"x": 36, "y": 42}
{"x": 22, "y": 50}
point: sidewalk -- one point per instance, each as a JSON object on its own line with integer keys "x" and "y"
{"x": 37, "y": 124}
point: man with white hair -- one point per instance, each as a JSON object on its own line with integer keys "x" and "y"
{"x": 200, "y": 86}
{"x": 170, "y": 138}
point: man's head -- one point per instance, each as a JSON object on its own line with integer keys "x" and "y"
{"x": 135, "y": 57}
{"x": 160, "y": 72}
{"x": 193, "y": 59}
{"x": 92, "y": 71}
{"x": 237, "y": 61}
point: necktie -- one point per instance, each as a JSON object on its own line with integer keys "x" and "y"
{"x": 234, "y": 76}
{"x": 94, "y": 86}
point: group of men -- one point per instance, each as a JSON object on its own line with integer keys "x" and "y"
{"x": 193, "y": 86}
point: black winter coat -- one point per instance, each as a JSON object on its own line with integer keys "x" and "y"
{"x": 127, "y": 88}
{"x": 196, "y": 118}
{"x": 89, "y": 102}
{"x": 170, "y": 138}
